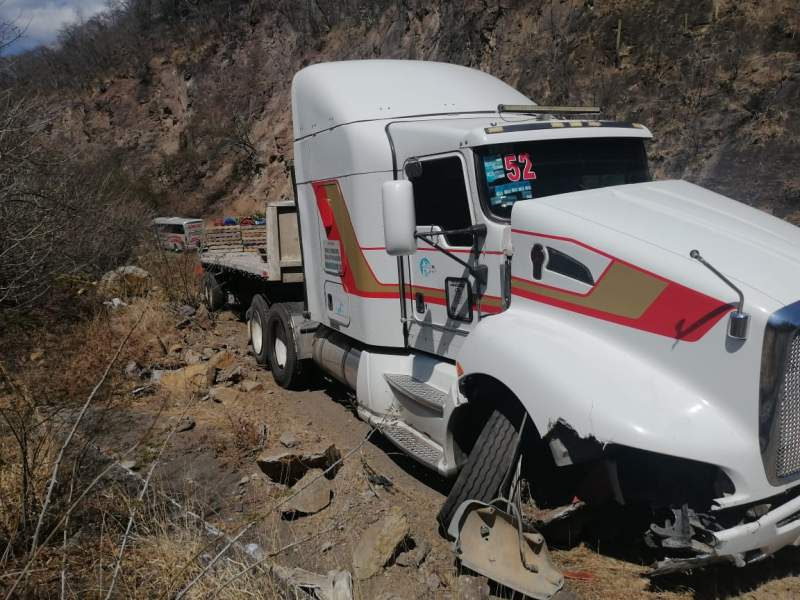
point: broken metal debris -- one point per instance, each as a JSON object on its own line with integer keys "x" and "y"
{"x": 501, "y": 547}
{"x": 376, "y": 478}
{"x": 682, "y": 533}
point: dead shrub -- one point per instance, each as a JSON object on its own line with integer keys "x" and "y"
{"x": 59, "y": 219}
{"x": 177, "y": 275}
{"x": 26, "y": 451}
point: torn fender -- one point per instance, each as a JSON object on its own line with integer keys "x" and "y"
{"x": 606, "y": 388}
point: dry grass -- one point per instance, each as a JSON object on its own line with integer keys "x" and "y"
{"x": 155, "y": 563}
{"x": 176, "y": 275}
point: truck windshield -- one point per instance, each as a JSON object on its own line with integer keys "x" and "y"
{"x": 509, "y": 173}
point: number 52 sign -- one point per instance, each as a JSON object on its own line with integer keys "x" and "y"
{"x": 518, "y": 166}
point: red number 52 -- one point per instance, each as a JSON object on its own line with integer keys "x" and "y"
{"x": 513, "y": 172}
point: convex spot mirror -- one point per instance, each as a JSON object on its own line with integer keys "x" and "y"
{"x": 399, "y": 220}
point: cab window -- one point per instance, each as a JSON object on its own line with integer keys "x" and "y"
{"x": 525, "y": 171}
{"x": 440, "y": 197}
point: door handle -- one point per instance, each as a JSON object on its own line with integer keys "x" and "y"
{"x": 538, "y": 258}
{"x": 419, "y": 302}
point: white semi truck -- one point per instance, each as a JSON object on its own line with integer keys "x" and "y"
{"x": 496, "y": 279}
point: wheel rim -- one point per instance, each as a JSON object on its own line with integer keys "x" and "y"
{"x": 280, "y": 348}
{"x": 256, "y": 334}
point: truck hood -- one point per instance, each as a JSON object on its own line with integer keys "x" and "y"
{"x": 751, "y": 247}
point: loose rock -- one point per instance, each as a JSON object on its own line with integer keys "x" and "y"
{"x": 289, "y": 466}
{"x": 472, "y": 588}
{"x": 185, "y": 424}
{"x": 232, "y": 374}
{"x": 189, "y": 379}
{"x": 315, "y": 495}
{"x": 224, "y": 395}
{"x": 379, "y": 543}
{"x": 128, "y": 464}
{"x": 37, "y": 355}
{"x": 248, "y": 385}
{"x": 192, "y": 357}
{"x": 433, "y": 582}
{"x": 288, "y": 439}
{"x": 176, "y": 349}
{"x": 416, "y": 556}
{"x": 186, "y": 311}
{"x": 222, "y": 360}
{"x": 202, "y": 318}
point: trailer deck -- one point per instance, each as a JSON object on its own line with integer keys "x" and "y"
{"x": 270, "y": 251}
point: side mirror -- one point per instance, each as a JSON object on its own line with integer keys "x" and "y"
{"x": 399, "y": 220}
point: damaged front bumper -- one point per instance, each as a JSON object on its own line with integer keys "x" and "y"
{"x": 700, "y": 537}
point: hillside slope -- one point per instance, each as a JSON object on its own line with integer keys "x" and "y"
{"x": 206, "y": 119}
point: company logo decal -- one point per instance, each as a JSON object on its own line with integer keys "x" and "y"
{"x": 426, "y": 267}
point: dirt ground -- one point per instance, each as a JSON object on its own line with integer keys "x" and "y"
{"x": 212, "y": 465}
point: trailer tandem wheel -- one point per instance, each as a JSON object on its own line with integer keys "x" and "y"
{"x": 213, "y": 294}
{"x": 258, "y": 315}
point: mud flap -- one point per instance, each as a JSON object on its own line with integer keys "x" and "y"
{"x": 495, "y": 544}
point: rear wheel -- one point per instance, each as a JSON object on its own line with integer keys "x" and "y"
{"x": 482, "y": 475}
{"x": 213, "y": 294}
{"x": 258, "y": 316}
{"x": 287, "y": 369}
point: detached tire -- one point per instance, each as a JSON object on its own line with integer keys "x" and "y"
{"x": 486, "y": 467}
{"x": 287, "y": 369}
{"x": 258, "y": 315}
{"x": 213, "y": 294}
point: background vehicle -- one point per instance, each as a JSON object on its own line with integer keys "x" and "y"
{"x": 493, "y": 279}
{"x": 178, "y": 233}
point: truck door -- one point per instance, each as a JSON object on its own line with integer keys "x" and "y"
{"x": 440, "y": 293}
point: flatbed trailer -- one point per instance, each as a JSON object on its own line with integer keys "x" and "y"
{"x": 244, "y": 259}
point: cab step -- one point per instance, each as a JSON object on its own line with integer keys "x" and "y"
{"x": 414, "y": 443}
{"x": 420, "y": 392}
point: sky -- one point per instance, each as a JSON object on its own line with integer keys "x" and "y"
{"x": 42, "y": 19}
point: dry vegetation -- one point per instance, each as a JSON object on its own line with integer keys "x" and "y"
{"x": 159, "y": 105}
{"x": 72, "y": 522}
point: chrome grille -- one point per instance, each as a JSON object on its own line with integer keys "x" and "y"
{"x": 788, "y": 414}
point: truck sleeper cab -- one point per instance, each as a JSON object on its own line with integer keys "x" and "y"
{"x": 479, "y": 273}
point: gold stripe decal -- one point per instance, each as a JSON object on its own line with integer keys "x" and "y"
{"x": 623, "y": 291}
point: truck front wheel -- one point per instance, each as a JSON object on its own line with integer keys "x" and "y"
{"x": 482, "y": 475}
{"x": 287, "y": 369}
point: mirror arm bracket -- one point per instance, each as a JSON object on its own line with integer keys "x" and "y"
{"x": 739, "y": 320}
{"x": 477, "y": 232}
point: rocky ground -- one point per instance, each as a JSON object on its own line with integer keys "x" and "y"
{"x": 242, "y": 448}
